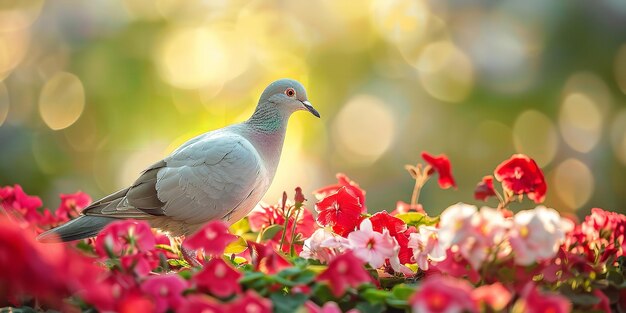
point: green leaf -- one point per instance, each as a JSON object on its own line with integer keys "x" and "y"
{"x": 237, "y": 246}
{"x": 322, "y": 293}
{"x": 178, "y": 263}
{"x": 250, "y": 277}
{"x": 240, "y": 227}
{"x": 271, "y": 231}
{"x": 287, "y": 303}
{"x": 167, "y": 248}
{"x": 375, "y": 296}
{"x": 402, "y": 291}
{"x": 416, "y": 219}
{"x": 370, "y": 307}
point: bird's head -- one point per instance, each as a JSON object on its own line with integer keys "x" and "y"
{"x": 288, "y": 96}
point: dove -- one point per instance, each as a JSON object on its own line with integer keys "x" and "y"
{"x": 219, "y": 175}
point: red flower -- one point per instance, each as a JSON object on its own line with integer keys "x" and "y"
{"x": 351, "y": 187}
{"x": 213, "y": 238}
{"x": 484, "y": 189}
{"x": 125, "y": 236}
{"x": 136, "y": 303}
{"x": 264, "y": 216}
{"x": 343, "y": 272}
{"x": 71, "y": 205}
{"x": 533, "y": 301}
{"x": 443, "y": 294}
{"x": 495, "y": 296}
{"x": 166, "y": 291}
{"x": 521, "y": 175}
{"x": 441, "y": 165}
{"x": 265, "y": 259}
{"x": 218, "y": 278}
{"x": 299, "y": 197}
{"x": 200, "y": 303}
{"x": 382, "y": 220}
{"x": 251, "y": 302}
{"x": 341, "y": 211}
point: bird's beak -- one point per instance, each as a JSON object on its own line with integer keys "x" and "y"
{"x": 310, "y": 108}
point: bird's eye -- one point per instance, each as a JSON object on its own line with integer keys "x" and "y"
{"x": 290, "y": 92}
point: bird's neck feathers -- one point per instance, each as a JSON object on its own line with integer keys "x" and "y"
{"x": 268, "y": 119}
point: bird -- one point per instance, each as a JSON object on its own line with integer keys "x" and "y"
{"x": 218, "y": 175}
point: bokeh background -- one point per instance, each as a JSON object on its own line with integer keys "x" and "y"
{"x": 91, "y": 92}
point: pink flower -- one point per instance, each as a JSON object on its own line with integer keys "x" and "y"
{"x": 251, "y": 302}
{"x": 200, "y": 303}
{"x": 441, "y": 165}
{"x": 313, "y": 249}
{"x": 340, "y": 210}
{"x": 425, "y": 246}
{"x": 329, "y": 307}
{"x": 125, "y": 236}
{"x": 495, "y": 296}
{"x": 521, "y": 175}
{"x": 212, "y": 237}
{"x": 343, "y": 272}
{"x": 474, "y": 234}
{"x": 166, "y": 291}
{"x": 443, "y": 294}
{"x": 218, "y": 278}
{"x": 484, "y": 190}
{"x": 403, "y": 207}
{"x": 370, "y": 246}
{"x": 135, "y": 303}
{"x": 344, "y": 182}
{"x": 533, "y": 301}
{"x": 536, "y": 235}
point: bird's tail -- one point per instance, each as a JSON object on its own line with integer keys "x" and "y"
{"x": 83, "y": 227}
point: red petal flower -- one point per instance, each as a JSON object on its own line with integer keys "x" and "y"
{"x": 441, "y": 165}
{"x": 71, "y": 205}
{"x": 251, "y": 302}
{"x": 218, "y": 278}
{"x": 533, "y": 301}
{"x": 200, "y": 303}
{"x": 265, "y": 259}
{"x": 351, "y": 187}
{"x": 443, "y": 294}
{"x": 496, "y": 296}
{"x": 341, "y": 211}
{"x": 382, "y": 220}
{"x": 213, "y": 238}
{"x": 166, "y": 291}
{"x": 299, "y": 198}
{"x": 484, "y": 189}
{"x": 343, "y": 272}
{"x": 521, "y": 175}
{"x": 126, "y": 236}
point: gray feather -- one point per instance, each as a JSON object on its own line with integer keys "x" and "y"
{"x": 80, "y": 228}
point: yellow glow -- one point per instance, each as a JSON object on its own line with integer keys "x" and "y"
{"x": 141, "y": 9}
{"x": 620, "y": 68}
{"x": 137, "y": 161}
{"x": 573, "y": 183}
{"x": 61, "y": 101}
{"x": 535, "y": 135}
{"x": 83, "y": 134}
{"x": 445, "y": 72}
{"x": 192, "y": 58}
{"x": 364, "y": 129}
{"x": 13, "y": 47}
{"x": 17, "y": 15}
{"x": 400, "y": 21}
{"x": 580, "y": 122}
{"x": 4, "y": 103}
{"x": 618, "y": 136}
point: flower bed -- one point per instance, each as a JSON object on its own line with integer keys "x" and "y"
{"x": 283, "y": 259}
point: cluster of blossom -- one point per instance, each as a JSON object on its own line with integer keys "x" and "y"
{"x": 465, "y": 260}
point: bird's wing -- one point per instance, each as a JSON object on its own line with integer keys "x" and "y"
{"x": 204, "y": 180}
{"x": 209, "y": 178}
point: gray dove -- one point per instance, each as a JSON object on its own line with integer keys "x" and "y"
{"x": 219, "y": 175}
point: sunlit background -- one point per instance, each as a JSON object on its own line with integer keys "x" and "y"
{"x": 92, "y": 92}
